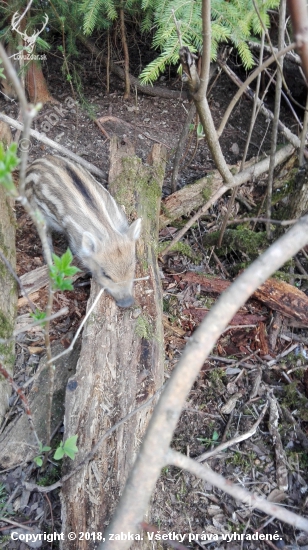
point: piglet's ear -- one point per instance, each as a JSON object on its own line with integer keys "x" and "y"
{"x": 88, "y": 244}
{"x": 135, "y": 230}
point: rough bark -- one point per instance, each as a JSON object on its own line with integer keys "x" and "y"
{"x": 189, "y": 198}
{"x": 36, "y": 85}
{"x": 279, "y": 296}
{"x": 8, "y": 289}
{"x": 298, "y": 203}
{"x": 121, "y": 362}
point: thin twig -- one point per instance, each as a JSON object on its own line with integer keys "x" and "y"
{"x": 252, "y": 500}
{"x": 245, "y": 84}
{"x": 70, "y": 348}
{"x": 234, "y": 440}
{"x": 251, "y": 127}
{"x": 282, "y": 16}
{"x": 16, "y": 524}
{"x": 26, "y": 328}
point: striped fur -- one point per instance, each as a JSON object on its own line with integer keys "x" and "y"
{"x": 74, "y": 203}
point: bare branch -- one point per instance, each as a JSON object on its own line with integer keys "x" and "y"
{"x": 141, "y": 482}
{"x": 234, "y": 440}
{"x": 251, "y": 77}
{"x": 252, "y": 500}
{"x": 282, "y": 17}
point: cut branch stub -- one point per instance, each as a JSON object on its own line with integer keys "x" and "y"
{"x": 188, "y": 61}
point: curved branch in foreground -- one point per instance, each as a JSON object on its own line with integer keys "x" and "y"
{"x": 155, "y": 91}
{"x": 153, "y": 453}
{"x": 252, "y": 500}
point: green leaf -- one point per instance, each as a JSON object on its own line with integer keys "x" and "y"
{"x": 8, "y": 161}
{"x": 38, "y": 461}
{"x": 68, "y": 448}
{"x": 62, "y": 269}
{"x": 59, "y": 454}
{"x": 39, "y": 316}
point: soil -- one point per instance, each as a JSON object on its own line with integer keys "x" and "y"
{"x": 181, "y": 503}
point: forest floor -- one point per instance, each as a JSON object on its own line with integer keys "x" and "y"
{"x": 227, "y": 398}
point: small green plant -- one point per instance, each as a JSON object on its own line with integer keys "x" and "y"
{"x": 39, "y": 316}
{"x": 62, "y": 269}
{"x": 208, "y": 441}
{"x": 67, "y": 448}
{"x": 242, "y": 460}
{"x": 200, "y": 132}
{"x": 52, "y": 476}
{"x": 8, "y": 161}
{"x": 39, "y": 459}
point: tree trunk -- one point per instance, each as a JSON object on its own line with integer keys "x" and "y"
{"x": 36, "y": 85}
{"x": 121, "y": 362}
{"x": 298, "y": 204}
{"x": 8, "y": 290}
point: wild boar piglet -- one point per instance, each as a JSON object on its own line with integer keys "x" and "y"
{"x": 74, "y": 203}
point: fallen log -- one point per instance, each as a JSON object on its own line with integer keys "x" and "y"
{"x": 275, "y": 294}
{"x": 121, "y": 362}
{"x": 192, "y": 197}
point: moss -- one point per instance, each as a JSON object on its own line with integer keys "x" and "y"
{"x": 183, "y": 248}
{"x": 291, "y": 396}
{"x": 216, "y": 384}
{"x": 242, "y": 460}
{"x": 242, "y": 239}
{"x": 3, "y": 246}
{"x": 285, "y": 188}
{"x": 145, "y": 182}
{"x": 12, "y": 217}
{"x": 207, "y": 191}
{"x": 143, "y": 327}
{"x": 6, "y": 328}
{"x": 299, "y": 458}
{"x": 6, "y": 350}
{"x": 293, "y": 399}
{"x": 165, "y": 211}
{"x": 52, "y": 476}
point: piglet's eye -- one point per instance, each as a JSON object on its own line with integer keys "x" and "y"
{"x": 105, "y": 275}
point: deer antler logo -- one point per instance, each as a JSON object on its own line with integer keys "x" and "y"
{"x": 29, "y": 40}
